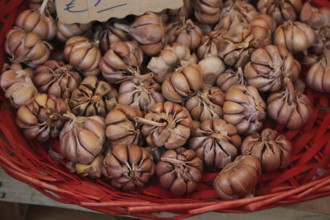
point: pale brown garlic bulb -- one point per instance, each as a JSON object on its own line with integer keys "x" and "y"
{"x": 289, "y": 107}
{"x": 82, "y": 138}
{"x": 229, "y": 78}
{"x": 294, "y": 36}
{"x": 185, "y": 33}
{"x": 319, "y": 20}
{"x": 26, "y": 47}
{"x": 93, "y": 97}
{"x": 107, "y": 35}
{"x": 244, "y": 108}
{"x": 38, "y": 22}
{"x": 280, "y": 10}
{"x": 170, "y": 58}
{"x": 318, "y": 76}
{"x": 56, "y": 78}
{"x": 235, "y": 46}
{"x": 233, "y": 14}
{"x": 128, "y": 167}
{"x": 83, "y": 54}
{"x": 166, "y": 125}
{"x": 140, "y": 93}
{"x": 269, "y": 66}
{"x": 67, "y": 31}
{"x": 121, "y": 61}
{"x": 209, "y": 44}
{"x": 215, "y": 142}
{"x": 121, "y": 127}
{"x": 92, "y": 170}
{"x": 182, "y": 83}
{"x": 206, "y": 104}
{"x": 238, "y": 179}
{"x": 270, "y": 148}
{"x": 207, "y": 11}
{"x": 149, "y": 31}
{"x": 211, "y": 67}
{"x": 17, "y": 85}
{"x": 179, "y": 171}
{"x": 262, "y": 28}
{"x": 43, "y": 118}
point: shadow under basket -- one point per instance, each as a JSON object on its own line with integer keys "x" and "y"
{"x": 306, "y": 178}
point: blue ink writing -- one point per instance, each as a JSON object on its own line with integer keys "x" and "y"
{"x": 71, "y": 6}
{"x": 113, "y": 7}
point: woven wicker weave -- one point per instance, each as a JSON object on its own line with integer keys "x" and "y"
{"x": 307, "y": 177}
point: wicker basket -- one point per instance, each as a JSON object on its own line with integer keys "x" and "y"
{"x": 307, "y": 177}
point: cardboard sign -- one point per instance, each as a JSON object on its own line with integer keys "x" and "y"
{"x": 84, "y": 11}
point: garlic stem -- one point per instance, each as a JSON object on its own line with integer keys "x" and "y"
{"x": 149, "y": 122}
{"x": 43, "y": 7}
{"x": 290, "y": 90}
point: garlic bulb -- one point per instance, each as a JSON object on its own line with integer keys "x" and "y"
{"x": 26, "y": 47}
{"x": 319, "y": 20}
{"x": 211, "y": 67}
{"x": 38, "y": 22}
{"x": 182, "y": 83}
{"x": 185, "y": 33}
{"x": 92, "y": 170}
{"x": 295, "y": 36}
{"x": 82, "y": 138}
{"x": 280, "y": 10}
{"x": 83, "y": 54}
{"x": 269, "y": 66}
{"x": 56, "y": 78}
{"x": 170, "y": 58}
{"x": 66, "y": 31}
{"x": 18, "y": 85}
{"x": 235, "y": 45}
{"x": 209, "y": 44}
{"x": 207, "y": 11}
{"x": 289, "y": 107}
{"x": 244, "y": 108}
{"x": 318, "y": 76}
{"x": 262, "y": 28}
{"x": 43, "y": 118}
{"x": 229, "y": 78}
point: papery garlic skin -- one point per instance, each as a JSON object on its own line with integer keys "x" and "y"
{"x": 170, "y": 58}
{"x": 280, "y": 10}
{"x": 18, "y": 86}
{"x": 230, "y": 78}
{"x": 238, "y": 179}
{"x": 42, "y": 119}
{"x": 92, "y": 170}
{"x": 206, "y": 104}
{"x": 93, "y": 97}
{"x": 244, "y": 108}
{"x": 318, "y": 76}
{"x": 211, "y": 67}
{"x": 121, "y": 127}
{"x": 83, "y": 54}
{"x": 270, "y": 148}
{"x": 269, "y": 66}
{"x": 215, "y": 142}
{"x": 82, "y": 138}
{"x": 67, "y": 31}
{"x": 289, "y": 106}
{"x": 128, "y": 167}
{"x": 319, "y": 20}
{"x": 120, "y": 61}
{"x": 207, "y": 11}
{"x": 26, "y": 47}
{"x": 294, "y": 36}
{"x": 57, "y": 78}
{"x": 182, "y": 83}
{"x": 262, "y": 28}
{"x": 39, "y": 23}
{"x": 179, "y": 171}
